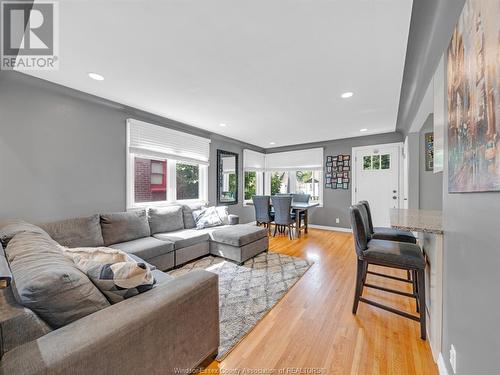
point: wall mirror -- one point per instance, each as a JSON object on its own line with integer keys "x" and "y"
{"x": 227, "y": 177}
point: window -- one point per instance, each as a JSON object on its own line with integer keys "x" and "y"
{"x": 308, "y": 182}
{"x": 279, "y": 182}
{"x": 188, "y": 181}
{"x": 165, "y": 165}
{"x": 253, "y": 167}
{"x": 376, "y": 162}
{"x": 150, "y": 180}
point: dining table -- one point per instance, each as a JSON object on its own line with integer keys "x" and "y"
{"x": 298, "y": 208}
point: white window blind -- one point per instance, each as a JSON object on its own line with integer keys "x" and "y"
{"x": 159, "y": 142}
{"x": 253, "y": 161}
{"x": 310, "y": 159}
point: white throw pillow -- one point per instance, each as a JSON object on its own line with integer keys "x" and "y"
{"x": 207, "y": 218}
{"x": 223, "y": 213}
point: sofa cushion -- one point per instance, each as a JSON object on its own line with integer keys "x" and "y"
{"x": 48, "y": 282}
{"x": 165, "y": 219}
{"x": 239, "y": 235}
{"x": 10, "y": 227}
{"x": 18, "y": 325}
{"x": 187, "y": 213}
{"x": 77, "y": 232}
{"x": 124, "y": 226}
{"x": 145, "y": 248}
{"x": 183, "y": 238}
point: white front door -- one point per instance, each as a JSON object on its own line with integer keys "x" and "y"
{"x": 376, "y": 179}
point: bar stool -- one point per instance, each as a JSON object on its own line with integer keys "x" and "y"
{"x": 392, "y": 254}
{"x": 391, "y": 234}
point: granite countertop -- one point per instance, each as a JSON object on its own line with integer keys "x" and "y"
{"x": 416, "y": 220}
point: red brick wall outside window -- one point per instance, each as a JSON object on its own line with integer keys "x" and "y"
{"x": 150, "y": 180}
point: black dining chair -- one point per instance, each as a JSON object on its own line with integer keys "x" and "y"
{"x": 392, "y": 254}
{"x": 283, "y": 218}
{"x": 382, "y": 233}
{"x": 263, "y": 214}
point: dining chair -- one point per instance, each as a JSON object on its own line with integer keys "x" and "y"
{"x": 263, "y": 214}
{"x": 392, "y": 254}
{"x": 283, "y": 218}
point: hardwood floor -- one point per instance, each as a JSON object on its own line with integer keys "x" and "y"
{"x": 312, "y": 327}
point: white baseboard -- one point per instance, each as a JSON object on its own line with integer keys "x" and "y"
{"x": 335, "y": 229}
{"x": 442, "y": 366}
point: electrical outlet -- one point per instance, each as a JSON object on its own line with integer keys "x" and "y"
{"x": 337, "y": 220}
{"x": 453, "y": 359}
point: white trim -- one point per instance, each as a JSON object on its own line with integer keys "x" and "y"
{"x": 442, "y": 366}
{"x": 335, "y": 229}
{"x": 400, "y": 146}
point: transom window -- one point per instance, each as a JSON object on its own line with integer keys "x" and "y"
{"x": 376, "y": 162}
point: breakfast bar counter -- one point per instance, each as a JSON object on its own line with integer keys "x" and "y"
{"x": 429, "y": 225}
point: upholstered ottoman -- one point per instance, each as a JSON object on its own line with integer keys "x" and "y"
{"x": 239, "y": 242}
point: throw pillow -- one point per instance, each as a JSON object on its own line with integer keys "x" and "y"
{"x": 207, "y": 218}
{"x": 117, "y": 275}
{"x": 223, "y": 213}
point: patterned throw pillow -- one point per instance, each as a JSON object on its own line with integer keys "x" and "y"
{"x": 117, "y": 275}
{"x": 206, "y": 218}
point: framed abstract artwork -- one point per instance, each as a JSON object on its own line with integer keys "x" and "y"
{"x": 473, "y": 75}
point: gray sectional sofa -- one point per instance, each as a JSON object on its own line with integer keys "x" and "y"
{"x": 53, "y": 320}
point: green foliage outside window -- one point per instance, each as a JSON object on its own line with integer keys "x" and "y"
{"x": 187, "y": 181}
{"x": 276, "y": 179}
{"x": 250, "y": 184}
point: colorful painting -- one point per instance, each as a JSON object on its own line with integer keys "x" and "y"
{"x": 429, "y": 151}
{"x": 474, "y": 99}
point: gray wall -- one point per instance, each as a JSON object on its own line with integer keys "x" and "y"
{"x": 336, "y": 202}
{"x": 62, "y": 152}
{"x": 430, "y": 183}
{"x": 471, "y": 278}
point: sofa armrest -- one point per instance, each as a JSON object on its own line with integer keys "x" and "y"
{"x": 233, "y": 219}
{"x": 172, "y": 327}
{"x": 5, "y": 275}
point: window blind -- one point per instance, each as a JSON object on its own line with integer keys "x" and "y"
{"x": 253, "y": 161}
{"x": 309, "y": 159}
{"x": 160, "y": 142}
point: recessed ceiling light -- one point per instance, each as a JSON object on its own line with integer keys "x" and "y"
{"x": 96, "y": 76}
{"x": 222, "y": 125}
{"x": 363, "y": 130}
{"x": 346, "y": 95}
{"x": 272, "y": 143}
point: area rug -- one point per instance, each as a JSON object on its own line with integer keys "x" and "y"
{"x": 248, "y": 292}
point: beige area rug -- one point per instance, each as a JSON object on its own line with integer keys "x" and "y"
{"x": 248, "y": 292}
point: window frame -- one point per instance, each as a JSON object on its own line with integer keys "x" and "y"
{"x": 171, "y": 182}
{"x": 291, "y": 187}
{"x": 259, "y": 182}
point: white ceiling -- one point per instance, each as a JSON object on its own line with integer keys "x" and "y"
{"x": 273, "y": 71}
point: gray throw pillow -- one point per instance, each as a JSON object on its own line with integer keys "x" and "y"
{"x": 166, "y": 219}
{"x": 10, "y": 227}
{"x": 48, "y": 282}
{"x": 77, "y": 232}
{"x": 124, "y": 226}
{"x": 187, "y": 212}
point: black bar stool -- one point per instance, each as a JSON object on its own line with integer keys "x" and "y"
{"x": 400, "y": 255}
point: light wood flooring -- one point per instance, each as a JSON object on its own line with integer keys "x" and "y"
{"x": 312, "y": 329}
